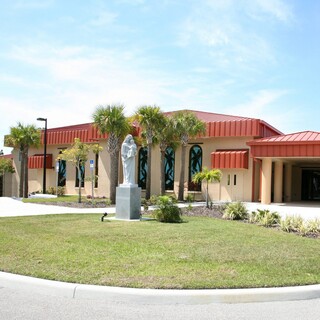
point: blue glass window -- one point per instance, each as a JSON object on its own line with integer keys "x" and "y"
{"x": 169, "y": 161}
{"x": 143, "y": 168}
{"x": 195, "y": 165}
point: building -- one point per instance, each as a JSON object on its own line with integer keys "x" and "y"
{"x": 6, "y": 179}
{"x": 258, "y": 162}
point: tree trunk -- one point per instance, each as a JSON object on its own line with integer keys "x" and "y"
{"x": 182, "y": 172}
{"x": 207, "y": 195}
{"x": 162, "y": 173}
{"x": 80, "y": 180}
{"x": 26, "y": 176}
{"x": 22, "y": 160}
{"x": 114, "y": 158}
{"x": 148, "y": 180}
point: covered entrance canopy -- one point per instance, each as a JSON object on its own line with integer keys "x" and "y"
{"x": 289, "y": 166}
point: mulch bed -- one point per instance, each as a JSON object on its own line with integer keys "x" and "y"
{"x": 199, "y": 211}
{"x": 97, "y": 204}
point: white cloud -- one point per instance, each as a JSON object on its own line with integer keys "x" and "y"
{"x": 277, "y": 9}
{"x": 229, "y": 33}
{"x": 104, "y": 18}
{"x": 32, "y": 4}
{"x": 265, "y": 104}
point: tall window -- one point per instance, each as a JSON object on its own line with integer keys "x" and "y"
{"x": 143, "y": 168}
{"x": 195, "y": 165}
{"x": 62, "y": 174}
{"x": 169, "y": 168}
{"x": 82, "y": 173}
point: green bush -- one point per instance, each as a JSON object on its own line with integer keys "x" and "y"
{"x": 313, "y": 225}
{"x": 291, "y": 224}
{"x": 264, "y": 217}
{"x": 235, "y": 211}
{"x": 189, "y": 197}
{"x": 297, "y": 224}
{"x": 167, "y": 210}
{"x": 60, "y": 191}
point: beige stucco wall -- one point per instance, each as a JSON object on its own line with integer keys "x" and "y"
{"x": 36, "y": 175}
{"x": 217, "y": 191}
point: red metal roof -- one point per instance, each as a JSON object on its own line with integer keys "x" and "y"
{"x": 36, "y": 161}
{"x": 230, "y": 159}
{"x": 300, "y": 144}
{"x": 217, "y": 125}
{"x": 86, "y": 132}
{"x": 298, "y": 137}
{"x": 7, "y": 156}
{"x": 222, "y": 125}
{"x": 210, "y": 116}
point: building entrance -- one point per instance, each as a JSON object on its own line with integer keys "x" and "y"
{"x": 310, "y": 189}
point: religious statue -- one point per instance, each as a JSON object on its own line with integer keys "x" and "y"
{"x": 128, "y": 153}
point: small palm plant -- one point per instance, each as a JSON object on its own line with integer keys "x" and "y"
{"x": 235, "y": 211}
{"x": 213, "y": 175}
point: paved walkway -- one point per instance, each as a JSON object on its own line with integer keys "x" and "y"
{"x": 11, "y": 207}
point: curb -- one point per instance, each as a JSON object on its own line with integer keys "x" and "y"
{"x": 157, "y": 296}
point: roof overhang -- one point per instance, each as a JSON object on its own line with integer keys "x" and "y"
{"x": 36, "y": 161}
{"x": 301, "y": 144}
{"x": 230, "y": 159}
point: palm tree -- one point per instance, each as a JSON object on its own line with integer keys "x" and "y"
{"x": 111, "y": 120}
{"x": 150, "y": 118}
{"x": 187, "y": 126}
{"x": 77, "y": 154}
{"x": 23, "y": 137}
{"x": 213, "y": 175}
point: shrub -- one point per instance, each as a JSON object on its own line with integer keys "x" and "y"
{"x": 291, "y": 224}
{"x": 313, "y": 225}
{"x": 235, "y": 211}
{"x": 60, "y": 191}
{"x": 264, "y": 217}
{"x": 167, "y": 210}
{"x": 153, "y": 200}
{"x": 189, "y": 198}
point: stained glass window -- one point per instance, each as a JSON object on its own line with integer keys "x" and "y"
{"x": 143, "y": 168}
{"x": 62, "y": 174}
{"x": 195, "y": 165}
{"x": 169, "y": 168}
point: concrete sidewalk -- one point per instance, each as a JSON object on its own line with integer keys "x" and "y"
{"x": 11, "y": 207}
{"x": 31, "y": 285}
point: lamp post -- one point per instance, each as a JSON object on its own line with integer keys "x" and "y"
{"x": 44, "y": 153}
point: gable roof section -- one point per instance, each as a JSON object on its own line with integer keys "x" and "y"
{"x": 299, "y": 144}
{"x": 217, "y": 125}
{"x": 86, "y": 132}
{"x": 222, "y": 125}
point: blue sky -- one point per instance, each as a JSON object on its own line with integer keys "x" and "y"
{"x": 60, "y": 59}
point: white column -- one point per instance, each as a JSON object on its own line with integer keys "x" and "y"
{"x": 278, "y": 181}
{"x": 266, "y": 175}
{"x": 288, "y": 182}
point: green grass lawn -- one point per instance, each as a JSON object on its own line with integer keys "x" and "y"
{"x": 71, "y": 198}
{"x": 199, "y": 253}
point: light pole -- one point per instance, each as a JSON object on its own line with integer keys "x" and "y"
{"x": 44, "y": 153}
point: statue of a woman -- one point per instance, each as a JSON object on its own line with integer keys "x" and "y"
{"x": 128, "y": 153}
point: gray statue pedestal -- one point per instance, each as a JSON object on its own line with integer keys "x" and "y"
{"x": 128, "y": 202}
